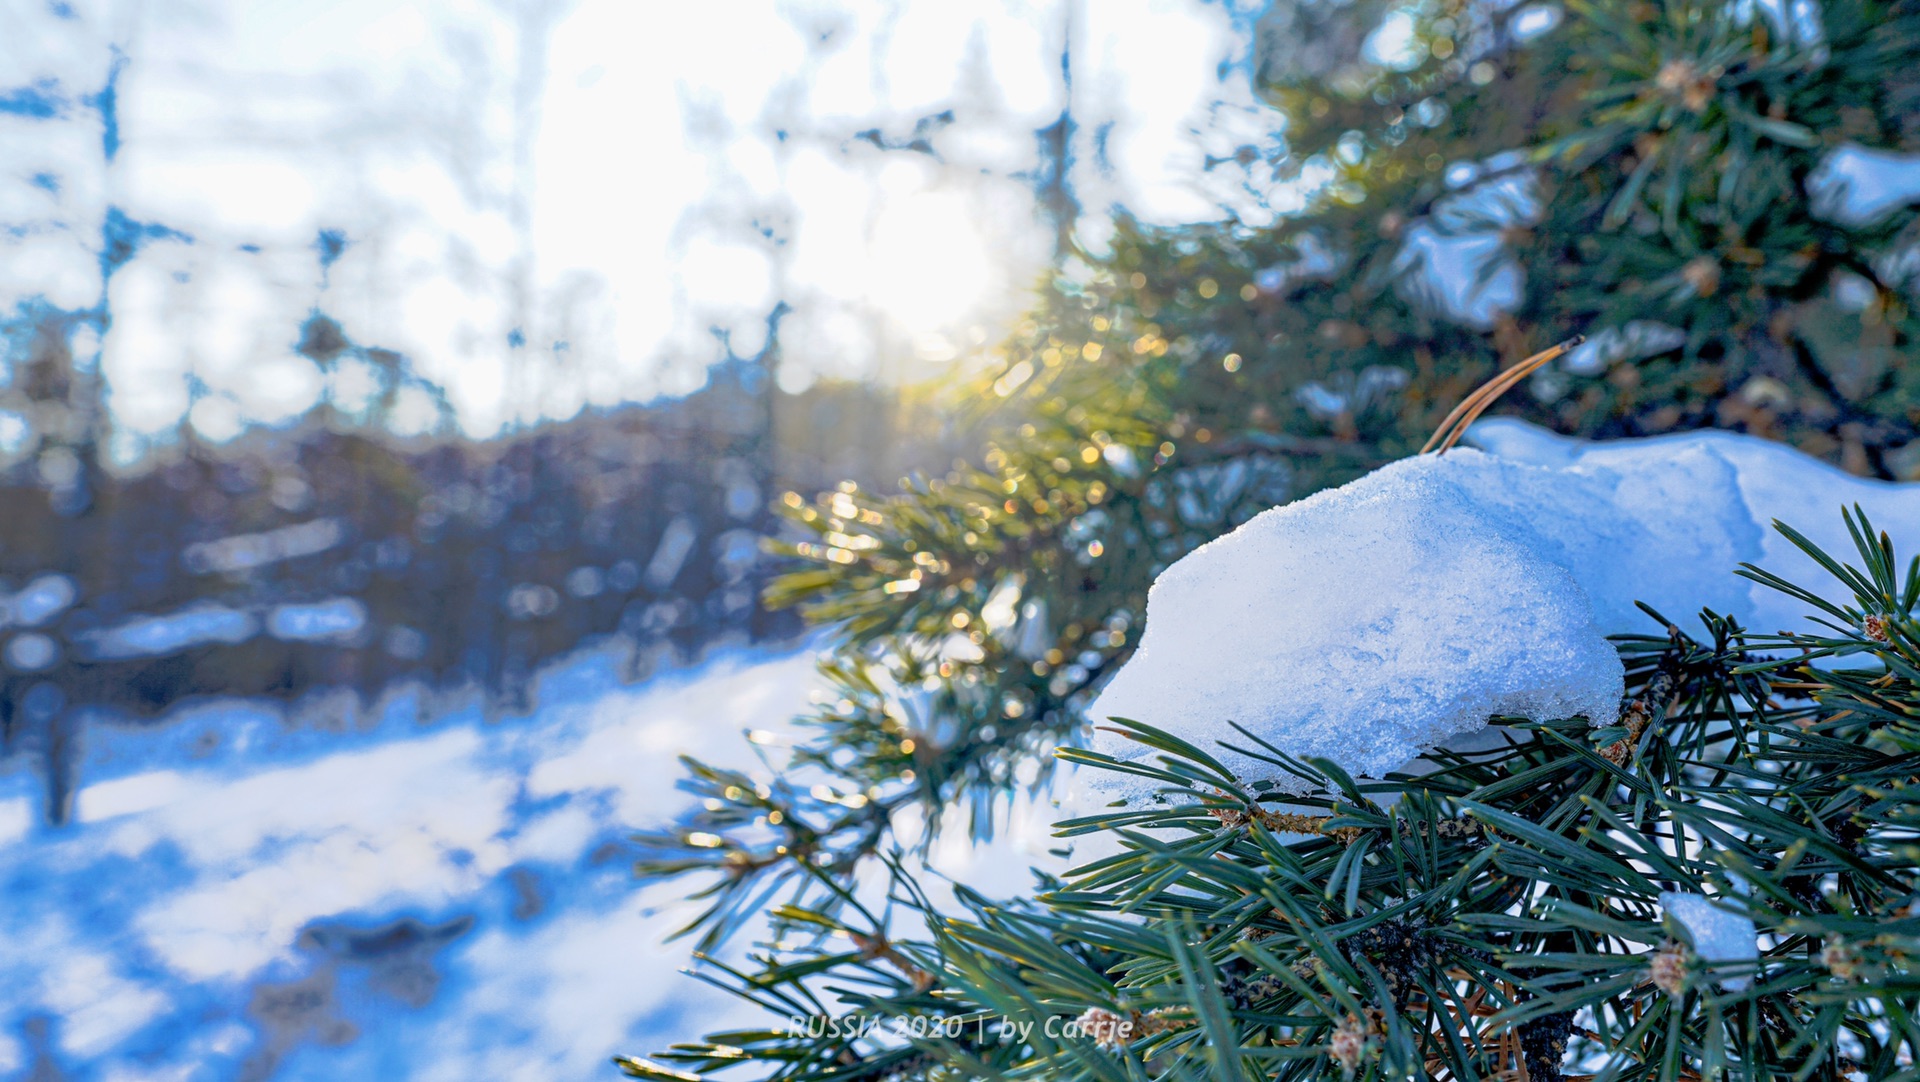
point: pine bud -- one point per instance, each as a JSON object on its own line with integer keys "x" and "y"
{"x": 1108, "y": 1030}
{"x": 1875, "y": 627}
{"x": 1669, "y": 968}
{"x": 1349, "y": 1043}
{"x": 1702, "y": 275}
{"x": 1839, "y": 958}
{"x": 1683, "y": 79}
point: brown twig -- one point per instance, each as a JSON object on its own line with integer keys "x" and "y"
{"x": 1295, "y": 823}
{"x": 874, "y": 947}
{"x": 1285, "y": 822}
{"x": 1637, "y": 714}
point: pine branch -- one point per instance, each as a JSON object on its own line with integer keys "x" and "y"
{"x": 1181, "y": 382}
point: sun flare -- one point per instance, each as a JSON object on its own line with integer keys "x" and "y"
{"x": 929, "y": 267}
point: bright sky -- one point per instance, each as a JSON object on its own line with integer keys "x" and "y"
{"x": 551, "y": 205}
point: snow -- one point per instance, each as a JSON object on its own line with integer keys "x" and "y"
{"x": 212, "y": 855}
{"x": 244, "y": 552}
{"x": 334, "y": 618}
{"x": 39, "y": 601}
{"x": 205, "y": 848}
{"x": 1718, "y": 935}
{"x": 183, "y": 629}
{"x": 1611, "y": 345}
{"x": 1367, "y": 622}
{"x": 1377, "y": 620}
{"x": 1768, "y": 482}
{"x": 32, "y": 652}
{"x": 1859, "y": 186}
{"x": 1464, "y": 269}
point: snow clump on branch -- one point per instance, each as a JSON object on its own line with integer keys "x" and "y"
{"x": 1397, "y": 613}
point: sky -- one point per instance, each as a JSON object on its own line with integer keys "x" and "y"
{"x": 552, "y": 205}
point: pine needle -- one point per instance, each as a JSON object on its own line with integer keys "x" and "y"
{"x": 1470, "y": 408}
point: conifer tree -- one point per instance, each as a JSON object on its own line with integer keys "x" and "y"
{"x": 1664, "y": 178}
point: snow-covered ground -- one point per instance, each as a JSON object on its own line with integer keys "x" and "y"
{"x": 162, "y": 933}
{"x": 242, "y": 899}
{"x": 208, "y": 914}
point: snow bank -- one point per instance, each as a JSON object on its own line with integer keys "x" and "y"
{"x": 1370, "y": 622}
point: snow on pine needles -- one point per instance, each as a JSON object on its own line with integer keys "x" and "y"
{"x": 1374, "y": 621}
